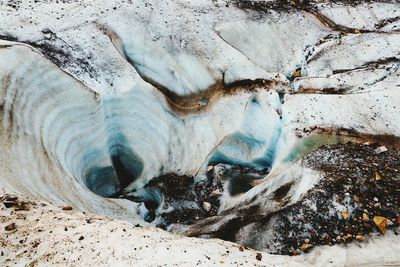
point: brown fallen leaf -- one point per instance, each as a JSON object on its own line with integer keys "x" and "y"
{"x": 297, "y": 74}
{"x": 360, "y": 238}
{"x": 345, "y": 215}
{"x": 381, "y": 224}
{"x": 305, "y": 246}
{"x": 377, "y": 177}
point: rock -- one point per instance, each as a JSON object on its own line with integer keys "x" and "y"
{"x": 216, "y": 193}
{"x": 259, "y": 256}
{"x": 67, "y": 208}
{"x": 10, "y": 227}
{"x": 81, "y": 238}
{"x": 380, "y": 150}
{"x": 210, "y": 168}
{"x": 206, "y": 206}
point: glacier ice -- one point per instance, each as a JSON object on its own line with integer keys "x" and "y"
{"x": 96, "y": 104}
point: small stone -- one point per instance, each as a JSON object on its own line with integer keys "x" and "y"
{"x": 347, "y": 236}
{"x": 67, "y": 208}
{"x": 259, "y": 256}
{"x": 365, "y": 217}
{"x": 210, "y": 168}
{"x": 206, "y": 206}
{"x": 380, "y": 150}
{"x": 216, "y": 192}
{"x": 376, "y": 199}
{"x": 81, "y": 238}
{"x": 11, "y": 227}
{"x": 377, "y": 177}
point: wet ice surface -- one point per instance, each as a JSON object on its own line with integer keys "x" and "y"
{"x": 180, "y": 112}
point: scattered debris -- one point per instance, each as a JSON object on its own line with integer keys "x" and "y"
{"x": 259, "y": 256}
{"x": 348, "y": 204}
{"x": 10, "y": 227}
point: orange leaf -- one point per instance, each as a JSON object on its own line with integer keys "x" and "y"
{"x": 345, "y": 215}
{"x": 381, "y": 223}
{"x": 305, "y": 246}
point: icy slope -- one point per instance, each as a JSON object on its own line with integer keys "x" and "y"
{"x": 99, "y": 97}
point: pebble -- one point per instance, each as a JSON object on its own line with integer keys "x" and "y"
{"x": 259, "y": 256}
{"x": 380, "y": 150}
{"x": 10, "y": 227}
{"x": 206, "y": 206}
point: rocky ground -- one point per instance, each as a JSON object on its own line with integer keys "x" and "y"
{"x": 358, "y": 198}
